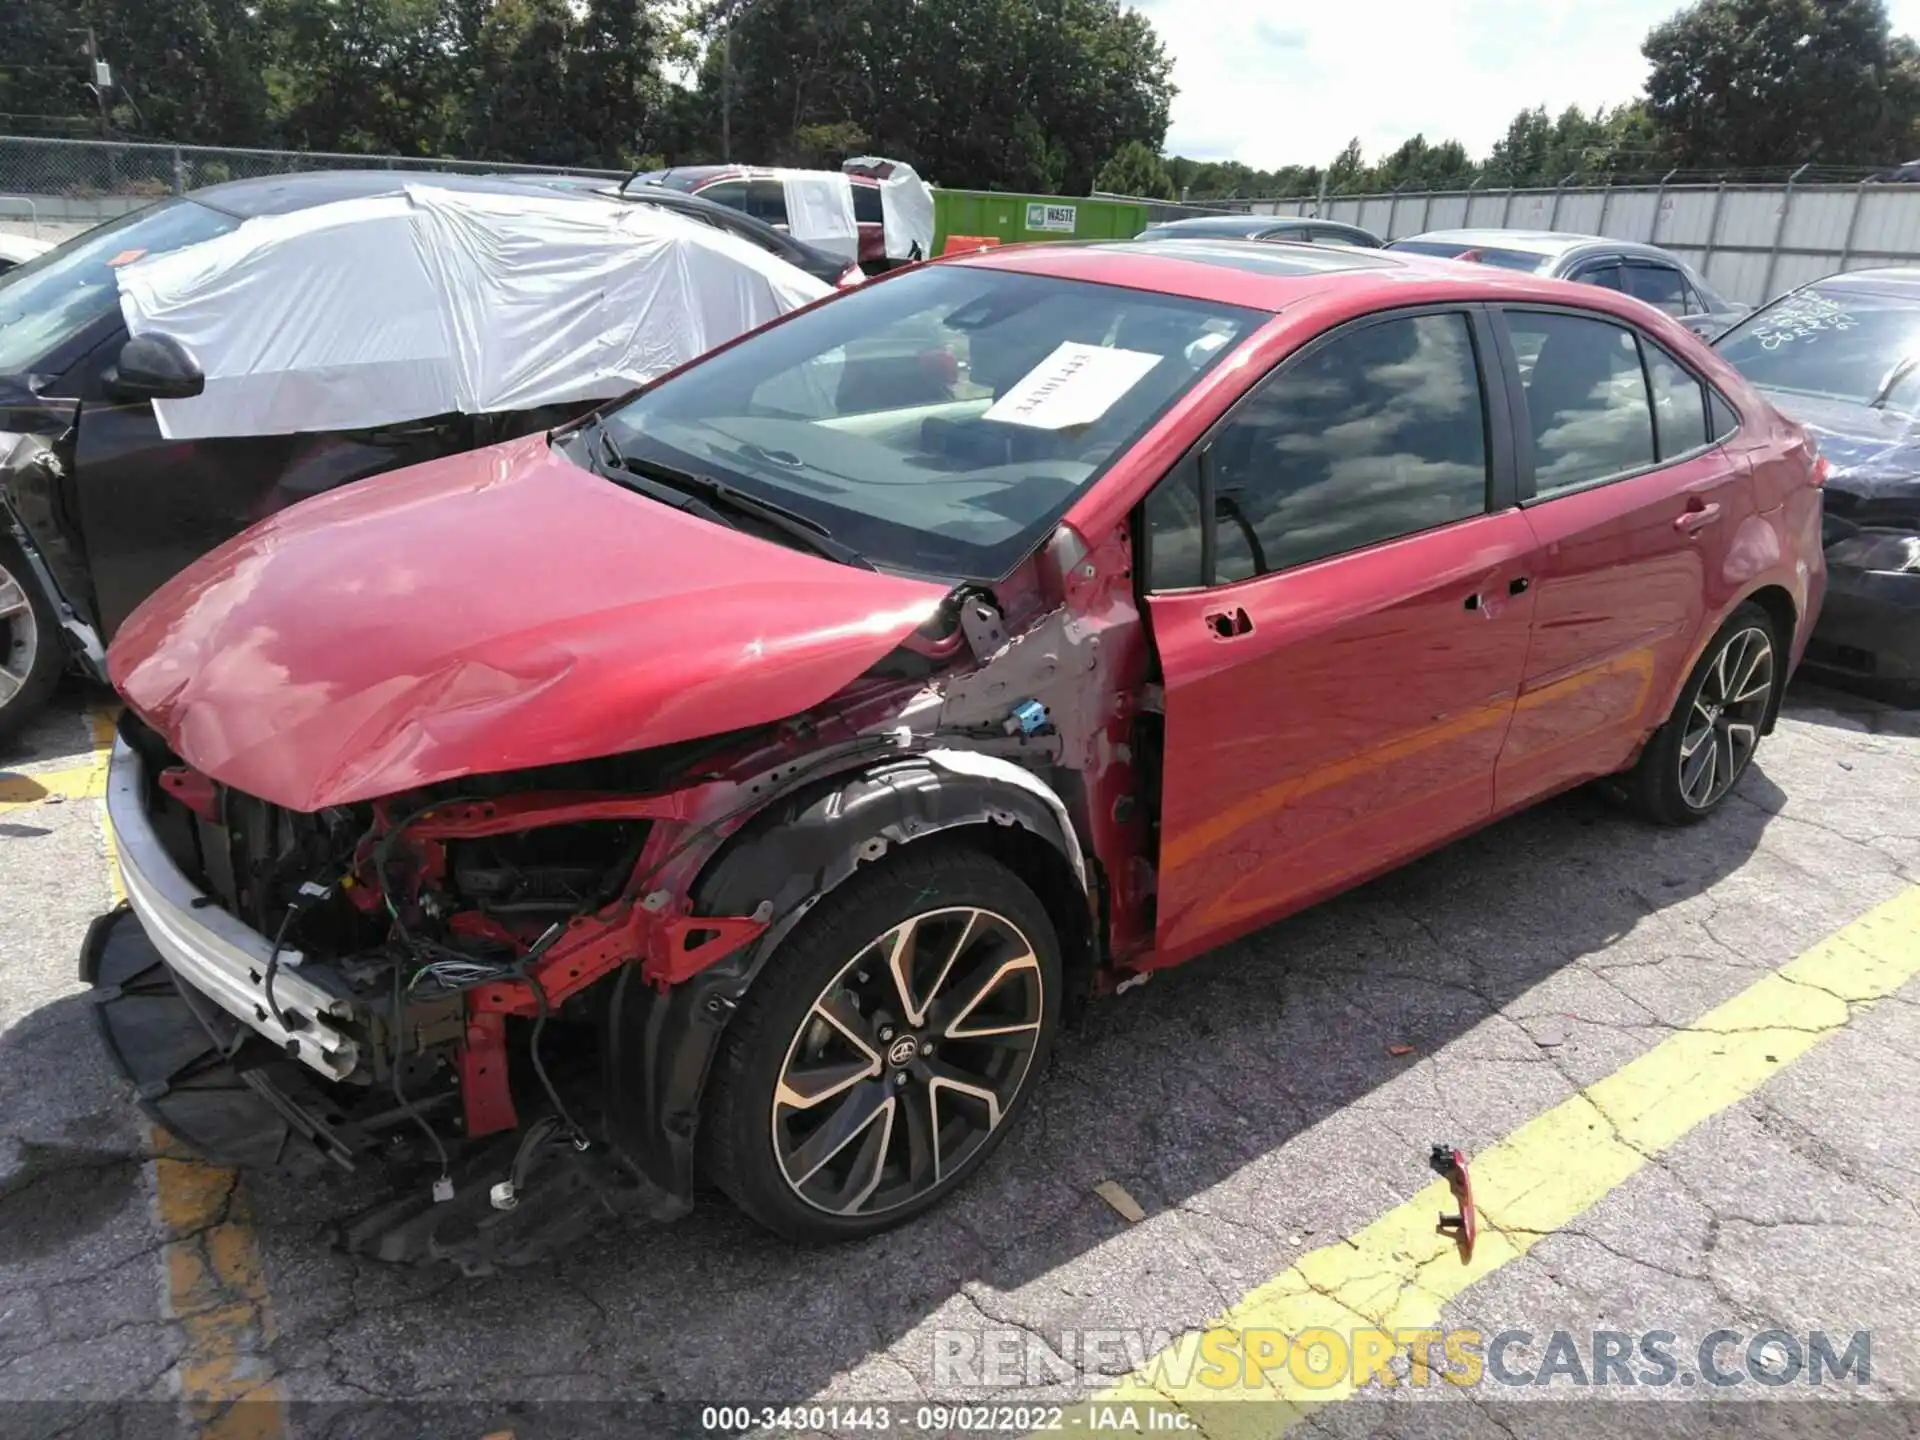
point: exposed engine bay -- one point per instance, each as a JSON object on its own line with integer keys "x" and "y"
{"x": 554, "y": 952}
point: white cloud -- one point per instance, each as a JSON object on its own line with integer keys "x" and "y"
{"x": 1276, "y": 82}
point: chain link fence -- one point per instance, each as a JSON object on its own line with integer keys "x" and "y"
{"x": 55, "y": 187}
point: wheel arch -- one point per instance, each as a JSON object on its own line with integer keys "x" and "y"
{"x": 659, "y": 1046}
{"x": 1784, "y": 614}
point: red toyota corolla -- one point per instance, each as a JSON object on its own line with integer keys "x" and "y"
{"x": 742, "y": 783}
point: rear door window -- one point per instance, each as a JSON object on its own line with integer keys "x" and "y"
{"x": 1586, "y": 397}
{"x": 1679, "y": 403}
{"x": 731, "y": 193}
{"x": 767, "y": 200}
{"x": 1661, "y": 286}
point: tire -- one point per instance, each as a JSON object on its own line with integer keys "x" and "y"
{"x": 902, "y": 1121}
{"x": 1674, "y": 783}
{"x": 32, "y": 650}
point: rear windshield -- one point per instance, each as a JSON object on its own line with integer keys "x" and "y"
{"x": 940, "y": 423}
{"x": 1832, "y": 342}
{"x": 1187, "y": 229}
{"x": 1526, "y": 260}
{"x": 867, "y": 209}
{"x": 49, "y": 300}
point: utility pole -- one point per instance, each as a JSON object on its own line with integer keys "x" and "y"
{"x": 102, "y": 80}
{"x": 726, "y": 87}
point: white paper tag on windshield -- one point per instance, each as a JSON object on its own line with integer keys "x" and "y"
{"x": 1075, "y": 385}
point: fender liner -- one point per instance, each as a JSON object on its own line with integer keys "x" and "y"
{"x": 658, "y": 1047}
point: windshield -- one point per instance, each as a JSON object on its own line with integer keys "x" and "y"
{"x": 48, "y": 301}
{"x": 1833, "y": 342}
{"x": 1528, "y": 260}
{"x": 939, "y": 423}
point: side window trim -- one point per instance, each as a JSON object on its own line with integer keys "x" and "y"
{"x": 1642, "y": 262}
{"x": 1500, "y": 433}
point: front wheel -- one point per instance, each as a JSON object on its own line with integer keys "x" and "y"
{"x": 31, "y": 649}
{"x": 1693, "y": 761}
{"x": 887, "y": 1048}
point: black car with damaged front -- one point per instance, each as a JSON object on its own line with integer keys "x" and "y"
{"x": 1842, "y": 356}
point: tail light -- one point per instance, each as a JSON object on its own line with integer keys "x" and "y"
{"x": 1819, "y": 475}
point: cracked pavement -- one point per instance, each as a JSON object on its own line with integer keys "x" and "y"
{"x": 1258, "y": 1104}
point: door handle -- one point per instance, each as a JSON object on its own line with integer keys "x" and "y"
{"x": 1696, "y": 517}
{"x": 1518, "y": 585}
{"x": 1229, "y": 624}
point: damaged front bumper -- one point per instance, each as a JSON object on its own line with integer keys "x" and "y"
{"x": 212, "y": 951}
{"x": 1869, "y": 627}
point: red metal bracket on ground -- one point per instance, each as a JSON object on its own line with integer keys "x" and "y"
{"x": 483, "y": 1075}
{"x": 1463, "y": 1225}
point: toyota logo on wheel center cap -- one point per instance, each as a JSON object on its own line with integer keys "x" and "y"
{"x": 903, "y": 1050}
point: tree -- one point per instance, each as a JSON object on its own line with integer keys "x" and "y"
{"x": 517, "y": 104}
{"x": 1349, "y": 169}
{"x": 1772, "y": 82}
{"x": 1134, "y": 169}
{"x": 1005, "y": 94}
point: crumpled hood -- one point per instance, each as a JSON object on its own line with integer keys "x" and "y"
{"x": 484, "y": 613}
{"x": 1874, "y": 455}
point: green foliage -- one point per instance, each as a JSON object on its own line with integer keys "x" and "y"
{"x": 1021, "y": 95}
{"x": 1752, "y": 82}
{"x": 1030, "y": 95}
{"x": 1135, "y": 170}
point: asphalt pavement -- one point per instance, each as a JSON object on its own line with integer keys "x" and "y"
{"x": 1684, "y": 1063}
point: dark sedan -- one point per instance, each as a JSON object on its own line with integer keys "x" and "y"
{"x": 1842, "y": 356}
{"x": 1291, "y": 229}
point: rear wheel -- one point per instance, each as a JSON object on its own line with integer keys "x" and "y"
{"x": 1693, "y": 761}
{"x": 886, "y": 1050}
{"x": 31, "y": 650}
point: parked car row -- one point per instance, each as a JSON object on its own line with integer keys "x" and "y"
{"x": 738, "y": 782}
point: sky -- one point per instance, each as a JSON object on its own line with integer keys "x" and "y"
{"x": 1289, "y": 82}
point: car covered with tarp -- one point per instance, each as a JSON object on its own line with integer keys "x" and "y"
{"x": 170, "y": 378}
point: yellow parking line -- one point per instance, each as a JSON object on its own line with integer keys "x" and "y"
{"x": 216, "y": 1284}
{"x": 20, "y": 790}
{"x": 1398, "y": 1272}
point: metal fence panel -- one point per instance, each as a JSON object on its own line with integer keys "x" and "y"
{"x": 1687, "y": 217}
{"x": 1817, "y": 219}
{"x": 64, "y": 183}
{"x": 1889, "y": 222}
{"x": 1752, "y": 242}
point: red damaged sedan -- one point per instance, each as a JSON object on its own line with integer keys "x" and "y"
{"x": 738, "y": 786}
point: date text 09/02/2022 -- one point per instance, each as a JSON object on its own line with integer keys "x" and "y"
{"x": 940, "y": 1419}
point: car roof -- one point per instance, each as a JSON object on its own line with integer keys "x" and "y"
{"x": 1537, "y": 242}
{"x": 1280, "y": 275}
{"x": 284, "y": 194}
{"x": 1902, "y": 280}
{"x": 699, "y": 174}
{"x": 1231, "y": 224}
{"x": 1553, "y": 243}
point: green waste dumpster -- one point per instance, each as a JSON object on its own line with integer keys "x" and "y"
{"x": 1013, "y": 219}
